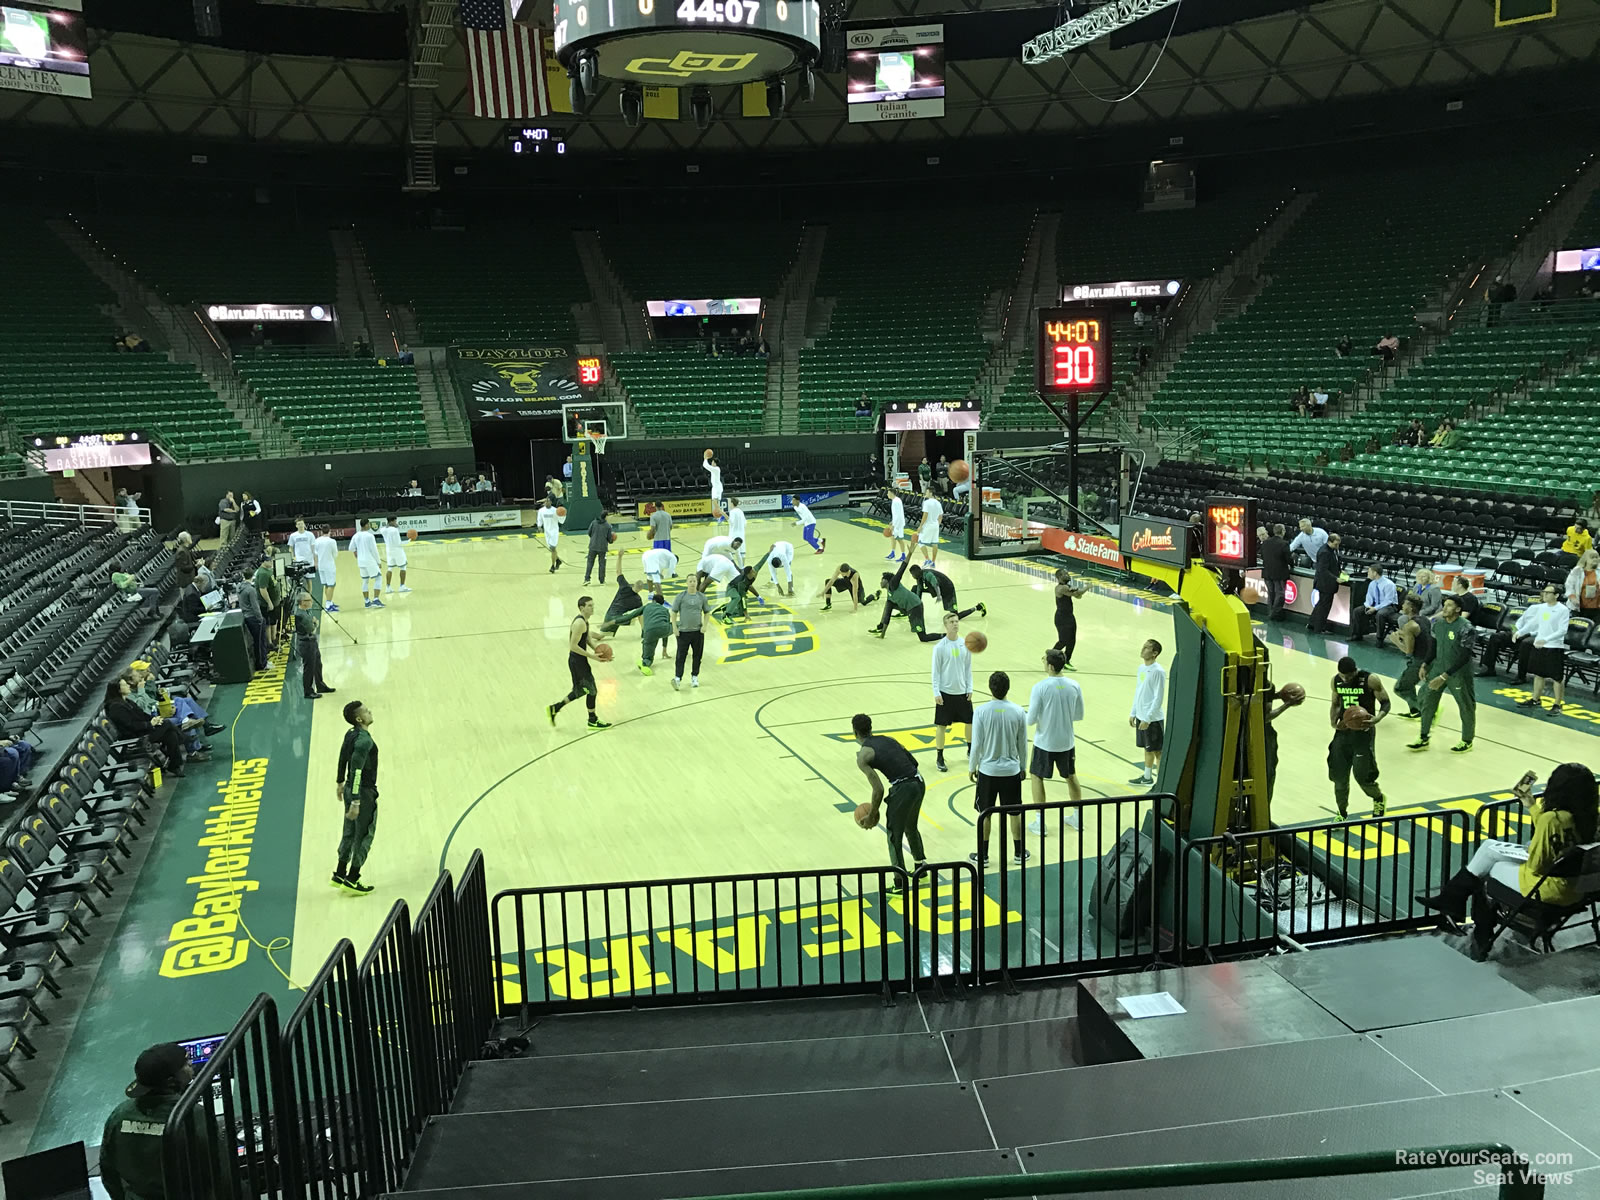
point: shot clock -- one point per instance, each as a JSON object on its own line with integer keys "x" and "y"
{"x": 591, "y": 372}
{"x": 1230, "y": 532}
{"x": 1074, "y": 351}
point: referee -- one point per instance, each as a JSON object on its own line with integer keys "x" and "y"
{"x": 307, "y": 621}
{"x": 999, "y": 743}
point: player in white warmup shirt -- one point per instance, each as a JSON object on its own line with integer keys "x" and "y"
{"x": 898, "y": 546}
{"x": 808, "y": 527}
{"x": 657, "y": 562}
{"x": 394, "y": 555}
{"x": 782, "y": 555}
{"x": 326, "y": 551}
{"x": 714, "y": 469}
{"x": 723, "y": 545}
{"x": 736, "y": 527}
{"x": 301, "y": 541}
{"x": 364, "y": 545}
{"x": 928, "y": 534}
{"x": 720, "y": 568}
{"x": 549, "y": 523}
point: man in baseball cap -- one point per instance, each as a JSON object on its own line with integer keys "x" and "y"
{"x": 130, "y": 1148}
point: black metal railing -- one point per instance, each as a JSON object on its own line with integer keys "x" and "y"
{"x": 1090, "y": 896}
{"x": 780, "y": 933}
{"x": 334, "y": 1103}
{"x": 1244, "y": 893}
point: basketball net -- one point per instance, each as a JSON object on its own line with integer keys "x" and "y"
{"x": 597, "y": 442}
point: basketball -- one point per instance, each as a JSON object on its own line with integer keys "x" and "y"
{"x": 1292, "y": 694}
{"x": 603, "y": 651}
{"x": 959, "y": 471}
{"x": 708, "y": 453}
{"x": 1355, "y": 718}
{"x": 887, "y": 532}
{"x": 561, "y": 512}
{"x": 1250, "y": 595}
{"x": 411, "y": 535}
{"x": 613, "y": 537}
{"x": 863, "y": 815}
{"x": 976, "y": 642}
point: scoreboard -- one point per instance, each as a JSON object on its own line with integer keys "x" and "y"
{"x": 1230, "y": 532}
{"x": 1073, "y": 351}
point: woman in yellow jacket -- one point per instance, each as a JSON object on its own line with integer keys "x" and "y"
{"x": 1563, "y": 817}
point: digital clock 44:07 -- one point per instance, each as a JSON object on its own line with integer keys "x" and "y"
{"x": 726, "y": 12}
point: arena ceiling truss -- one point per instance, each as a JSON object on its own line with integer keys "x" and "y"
{"x": 1324, "y": 52}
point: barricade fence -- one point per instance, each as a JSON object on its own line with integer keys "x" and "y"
{"x": 333, "y": 1105}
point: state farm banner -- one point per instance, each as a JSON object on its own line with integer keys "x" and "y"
{"x": 1088, "y": 547}
{"x": 514, "y": 383}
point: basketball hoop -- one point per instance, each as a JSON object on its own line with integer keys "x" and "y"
{"x": 597, "y": 441}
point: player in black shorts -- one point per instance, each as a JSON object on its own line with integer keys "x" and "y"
{"x": 847, "y": 580}
{"x": 906, "y": 789}
{"x": 899, "y": 598}
{"x": 579, "y": 654}
{"x": 1354, "y": 748}
{"x": 931, "y": 582}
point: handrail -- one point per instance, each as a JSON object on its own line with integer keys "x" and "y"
{"x": 1122, "y": 1179}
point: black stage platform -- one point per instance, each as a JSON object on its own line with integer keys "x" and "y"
{"x": 1393, "y": 1044}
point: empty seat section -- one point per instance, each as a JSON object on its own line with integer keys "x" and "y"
{"x": 332, "y": 402}
{"x": 691, "y": 261}
{"x": 192, "y": 262}
{"x": 61, "y": 374}
{"x": 491, "y": 285}
{"x": 683, "y": 390}
{"x": 910, "y": 298}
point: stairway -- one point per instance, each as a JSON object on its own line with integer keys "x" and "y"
{"x": 789, "y": 323}
{"x": 1345, "y": 1049}
{"x": 1035, "y": 287}
{"x": 362, "y": 311}
{"x": 623, "y": 323}
{"x": 1527, "y": 266}
{"x": 442, "y": 410}
{"x": 185, "y": 335}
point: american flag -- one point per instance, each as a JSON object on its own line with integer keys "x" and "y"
{"x": 504, "y": 61}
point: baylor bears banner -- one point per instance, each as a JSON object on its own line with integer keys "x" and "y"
{"x": 514, "y": 383}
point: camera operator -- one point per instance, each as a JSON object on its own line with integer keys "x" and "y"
{"x": 307, "y": 623}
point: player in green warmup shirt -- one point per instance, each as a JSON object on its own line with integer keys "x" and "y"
{"x": 358, "y": 792}
{"x": 655, "y": 627}
{"x": 742, "y": 586}
{"x": 1449, "y": 668}
{"x": 899, "y": 598}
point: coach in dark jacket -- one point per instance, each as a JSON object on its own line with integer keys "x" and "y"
{"x": 1275, "y": 570}
{"x": 1329, "y": 568}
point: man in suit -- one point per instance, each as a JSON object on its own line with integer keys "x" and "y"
{"x": 1275, "y": 570}
{"x": 1329, "y": 569}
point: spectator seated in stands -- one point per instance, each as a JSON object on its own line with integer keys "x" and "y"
{"x": 1301, "y": 399}
{"x": 451, "y": 485}
{"x": 405, "y": 358}
{"x": 1563, "y": 819}
{"x": 1466, "y": 599}
{"x": 1387, "y": 347}
{"x": 412, "y": 489}
{"x": 1578, "y": 540}
{"x": 133, "y": 722}
{"x": 1583, "y": 586}
{"x": 16, "y": 757}
{"x": 1427, "y": 590}
{"x": 1445, "y": 436}
{"x": 133, "y": 589}
{"x": 1381, "y": 603}
{"x": 1319, "y": 401}
{"x": 483, "y": 484}
{"x": 185, "y": 714}
{"x": 1343, "y": 347}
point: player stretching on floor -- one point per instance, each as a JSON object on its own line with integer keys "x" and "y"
{"x": 579, "y": 652}
{"x": 740, "y": 587}
{"x": 725, "y": 545}
{"x": 936, "y": 583}
{"x": 714, "y": 469}
{"x": 808, "y": 527}
{"x": 847, "y": 580}
{"x": 928, "y": 533}
{"x": 655, "y": 563}
{"x": 364, "y": 545}
{"x": 394, "y": 555}
{"x": 899, "y": 598}
{"x": 781, "y": 555}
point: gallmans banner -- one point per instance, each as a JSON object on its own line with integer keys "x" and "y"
{"x": 514, "y": 383}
